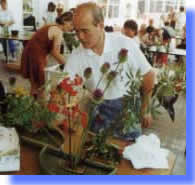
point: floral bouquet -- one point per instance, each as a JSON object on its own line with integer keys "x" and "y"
{"x": 69, "y": 101}
{"x": 66, "y": 101}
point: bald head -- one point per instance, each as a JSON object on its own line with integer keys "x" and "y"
{"x": 88, "y": 23}
{"x": 89, "y": 9}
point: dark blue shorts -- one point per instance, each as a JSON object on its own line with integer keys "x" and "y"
{"x": 107, "y": 115}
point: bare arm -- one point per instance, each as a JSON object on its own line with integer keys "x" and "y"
{"x": 57, "y": 39}
{"x": 147, "y": 87}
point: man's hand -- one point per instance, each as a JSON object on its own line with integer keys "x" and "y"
{"x": 146, "y": 120}
{"x": 147, "y": 88}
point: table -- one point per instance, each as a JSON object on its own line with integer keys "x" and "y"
{"x": 30, "y": 164}
{"x": 21, "y": 37}
{"x": 176, "y": 51}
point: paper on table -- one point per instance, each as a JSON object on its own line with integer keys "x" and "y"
{"x": 9, "y": 150}
{"x": 146, "y": 153}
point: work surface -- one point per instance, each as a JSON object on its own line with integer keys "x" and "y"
{"x": 30, "y": 164}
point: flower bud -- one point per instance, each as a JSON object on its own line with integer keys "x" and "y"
{"x": 105, "y": 67}
{"x": 112, "y": 75}
{"x": 88, "y": 73}
{"x": 123, "y": 54}
{"x": 98, "y": 94}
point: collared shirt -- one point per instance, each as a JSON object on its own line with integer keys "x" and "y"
{"x": 82, "y": 58}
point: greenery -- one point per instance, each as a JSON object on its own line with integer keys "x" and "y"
{"x": 71, "y": 41}
{"x": 99, "y": 148}
{"x": 26, "y": 113}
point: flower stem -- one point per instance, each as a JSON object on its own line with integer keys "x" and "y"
{"x": 108, "y": 84}
{"x": 99, "y": 81}
{"x": 69, "y": 131}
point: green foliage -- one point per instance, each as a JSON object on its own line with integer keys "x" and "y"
{"x": 171, "y": 81}
{"x": 99, "y": 148}
{"x": 26, "y": 113}
{"x": 71, "y": 41}
{"x": 132, "y": 103}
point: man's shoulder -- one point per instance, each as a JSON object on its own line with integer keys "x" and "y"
{"x": 78, "y": 52}
{"x": 118, "y": 39}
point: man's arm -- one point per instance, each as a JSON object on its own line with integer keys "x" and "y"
{"x": 147, "y": 87}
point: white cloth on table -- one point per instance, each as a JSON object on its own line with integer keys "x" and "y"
{"x": 147, "y": 153}
{"x": 82, "y": 58}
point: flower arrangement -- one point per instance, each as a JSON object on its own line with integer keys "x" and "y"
{"x": 72, "y": 119}
{"x": 23, "y": 111}
{"x": 107, "y": 74}
{"x": 171, "y": 84}
{"x": 96, "y": 98}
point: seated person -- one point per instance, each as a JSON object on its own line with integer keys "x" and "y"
{"x": 100, "y": 47}
{"x": 162, "y": 58}
{"x": 130, "y": 28}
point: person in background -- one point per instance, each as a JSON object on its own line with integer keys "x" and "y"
{"x": 162, "y": 58}
{"x": 47, "y": 40}
{"x": 50, "y": 16}
{"x": 181, "y": 20}
{"x": 6, "y": 21}
{"x": 150, "y": 27}
{"x": 100, "y": 47}
{"x": 172, "y": 18}
{"x": 130, "y": 29}
{"x": 142, "y": 32}
{"x": 60, "y": 9}
{"x": 169, "y": 29}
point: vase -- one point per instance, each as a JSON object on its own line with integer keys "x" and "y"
{"x": 57, "y": 163}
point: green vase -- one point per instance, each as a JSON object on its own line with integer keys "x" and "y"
{"x": 56, "y": 163}
{"x": 5, "y": 31}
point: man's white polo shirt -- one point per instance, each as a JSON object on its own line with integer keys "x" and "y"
{"x": 82, "y": 58}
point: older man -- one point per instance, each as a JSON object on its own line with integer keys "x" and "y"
{"x": 98, "y": 48}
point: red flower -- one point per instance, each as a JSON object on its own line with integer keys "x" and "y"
{"x": 39, "y": 124}
{"x": 84, "y": 119}
{"x": 75, "y": 110}
{"x": 65, "y": 126}
{"x": 68, "y": 87}
{"x": 53, "y": 107}
{"x": 78, "y": 80}
{"x": 66, "y": 111}
{"x": 72, "y": 92}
